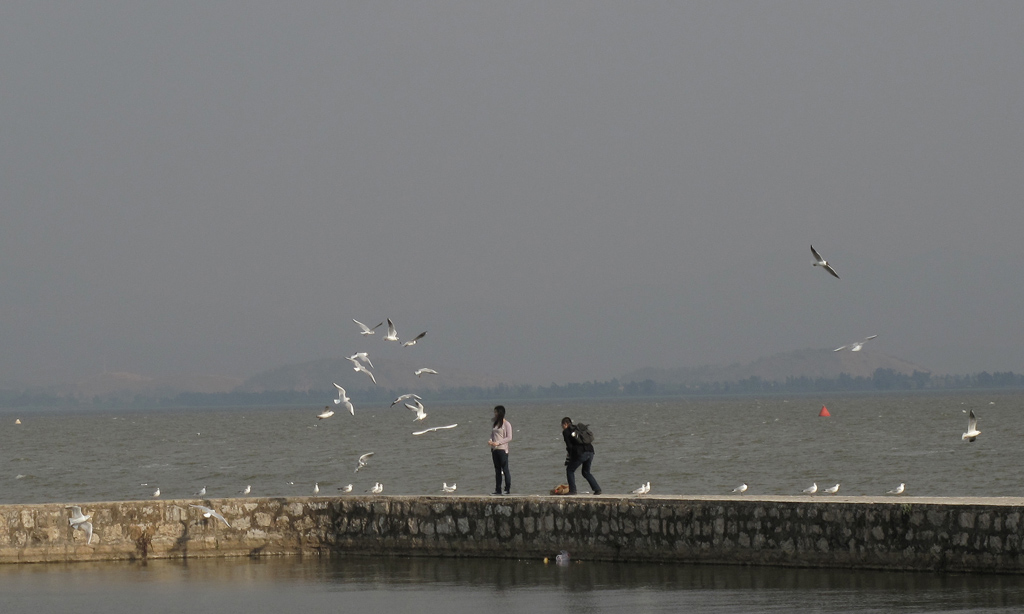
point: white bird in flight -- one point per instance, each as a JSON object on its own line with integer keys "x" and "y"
{"x": 832, "y": 489}
{"x": 898, "y": 490}
{"x": 855, "y": 346}
{"x": 810, "y": 490}
{"x": 326, "y": 413}
{"x": 404, "y": 397}
{"x": 972, "y": 428}
{"x": 343, "y": 398}
{"x": 415, "y": 339}
{"x": 377, "y": 488}
{"x": 346, "y": 488}
{"x": 363, "y": 356}
{"x": 79, "y": 520}
{"x": 419, "y": 409}
{"x": 362, "y": 461}
{"x": 358, "y": 366}
{"x": 435, "y": 428}
{"x": 366, "y": 329}
{"x": 392, "y": 333}
{"x": 446, "y": 488}
{"x": 208, "y": 512}
{"x": 420, "y": 372}
{"x": 740, "y": 488}
{"x": 819, "y": 261}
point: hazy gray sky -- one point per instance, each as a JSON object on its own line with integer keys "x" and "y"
{"x": 556, "y": 191}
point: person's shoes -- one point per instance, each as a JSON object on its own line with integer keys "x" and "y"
{"x": 497, "y": 492}
{"x": 597, "y": 492}
{"x": 571, "y": 492}
{"x": 507, "y": 492}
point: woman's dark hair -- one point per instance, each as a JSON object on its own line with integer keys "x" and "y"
{"x": 567, "y": 420}
{"x": 499, "y": 415}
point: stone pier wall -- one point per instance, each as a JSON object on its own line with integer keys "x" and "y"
{"x": 983, "y": 535}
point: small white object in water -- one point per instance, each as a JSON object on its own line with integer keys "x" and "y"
{"x": 562, "y": 558}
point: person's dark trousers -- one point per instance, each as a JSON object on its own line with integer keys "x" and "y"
{"x": 583, "y": 460}
{"x": 500, "y": 458}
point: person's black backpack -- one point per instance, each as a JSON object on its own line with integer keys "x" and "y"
{"x": 583, "y": 434}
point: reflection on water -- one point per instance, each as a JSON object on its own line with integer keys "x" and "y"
{"x": 462, "y": 585}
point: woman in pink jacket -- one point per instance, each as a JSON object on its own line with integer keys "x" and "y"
{"x": 501, "y": 434}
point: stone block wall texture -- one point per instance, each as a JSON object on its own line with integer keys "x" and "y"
{"x": 982, "y": 535}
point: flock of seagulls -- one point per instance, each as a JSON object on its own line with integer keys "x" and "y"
{"x": 359, "y": 360}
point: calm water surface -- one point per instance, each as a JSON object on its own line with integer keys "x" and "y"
{"x": 398, "y": 584}
{"x": 682, "y": 446}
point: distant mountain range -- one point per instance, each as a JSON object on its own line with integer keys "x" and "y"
{"x": 317, "y": 375}
{"x": 779, "y": 367}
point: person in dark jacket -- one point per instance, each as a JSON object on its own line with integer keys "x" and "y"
{"x": 577, "y": 454}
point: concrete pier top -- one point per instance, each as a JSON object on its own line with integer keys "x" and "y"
{"x": 982, "y": 534}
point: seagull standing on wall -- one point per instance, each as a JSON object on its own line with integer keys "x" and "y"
{"x": 819, "y": 261}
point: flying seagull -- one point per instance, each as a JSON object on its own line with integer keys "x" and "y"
{"x": 326, "y": 413}
{"x": 404, "y": 397}
{"x": 810, "y": 490}
{"x": 80, "y": 521}
{"x": 740, "y": 488}
{"x": 832, "y": 489}
{"x": 819, "y": 261}
{"x": 392, "y": 333}
{"x": 972, "y": 428}
{"x": 419, "y": 409}
{"x": 436, "y": 428}
{"x": 366, "y": 329}
{"x": 343, "y": 398}
{"x": 855, "y": 346}
{"x": 363, "y": 356}
{"x": 362, "y": 461}
{"x": 415, "y": 339}
{"x": 898, "y": 490}
{"x": 420, "y": 372}
{"x": 359, "y": 367}
{"x": 208, "y": 512}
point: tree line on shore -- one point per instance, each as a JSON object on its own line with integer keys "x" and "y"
{"x": 881, "y": 381}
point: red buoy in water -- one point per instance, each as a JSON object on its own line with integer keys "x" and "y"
{"x": 824, "y": 412}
